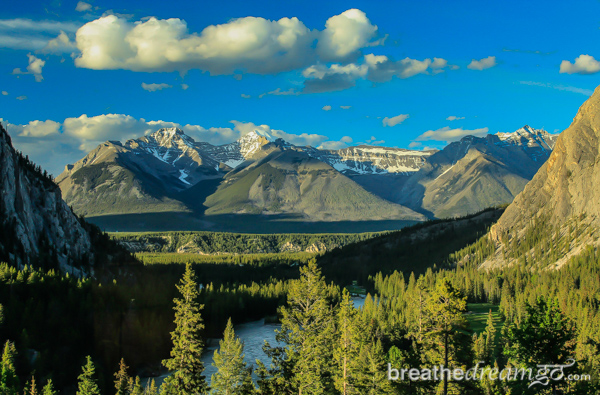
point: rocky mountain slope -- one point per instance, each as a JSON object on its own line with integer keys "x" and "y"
{"x": 476, "y": 172}
{"x": 36, "y": 225}
{"x": 559, "y": 207}
{"x": 291, "y": 181}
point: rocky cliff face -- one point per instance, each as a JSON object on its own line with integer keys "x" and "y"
{"x": 562, "y": 201}
{"x": 37, "y": 226}
{"x": 568, "y": 183}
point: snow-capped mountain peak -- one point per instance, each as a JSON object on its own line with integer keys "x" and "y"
{"x": 530, "y": 137}
{"x": 171, "y": 138}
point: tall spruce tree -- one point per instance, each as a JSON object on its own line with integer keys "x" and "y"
{"x": 87, "y": 382}
{"x": 186, "y": 355}
{"x": 9, "y": 381}
{"x": 445, "y": 307}
{"x": 546, "y": 336}
{"x": 122, "y": 379}
{"x": 233, "y": 374}
{"x": 347, "y": 347}
{"x": 307, "y": 329}
{"x": 49, "y": 388}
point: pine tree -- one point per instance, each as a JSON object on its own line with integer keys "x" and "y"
{"x": 445, "y": 306}
{"x": 151, "y": 388}
{"x": 186, "y": 354}
{"x": 33, "y": 387}
{"x": 49, "y": 389}
{"x": 9, "y": 382}
{"x": 307, "y": 330}
{"x": 233, "y": 375}
{"x": 490, "y": 338}
{"x": 347, "y": 347}
{"x": 87, "y": 383}
{"x": 136, "y": 387}
{"x": 372, "y": 379}
{"x": 122, "y": 379}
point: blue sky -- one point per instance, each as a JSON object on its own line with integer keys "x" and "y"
{"x": 328, "y": 74}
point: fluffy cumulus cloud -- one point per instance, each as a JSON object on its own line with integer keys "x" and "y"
{"x": 344, "y": 35}
{"x": 584, "y": 64}
{"x": 250, "y": 44}
{"x": 448, "y": 134}
{"x": 54, "y": 144}
{"x": 454, "y": 118}
{"x": 326, "y": 108}
{"x": 482, "y": 64}
{"x": 34, "y": 68}
{"x": 393, "y": 121}
{"x": 4, "y": 93}
{"x": 375, "y": 68}
{"x": 156, "y": 87}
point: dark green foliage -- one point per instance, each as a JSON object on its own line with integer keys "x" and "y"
{"x": 236, "y": 243}
{"x": 185, "y": 361}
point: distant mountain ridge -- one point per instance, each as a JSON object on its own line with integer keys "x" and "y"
{"x": 169, "y": 171}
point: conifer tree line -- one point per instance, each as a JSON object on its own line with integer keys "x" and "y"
{"x": 325, "y": 345}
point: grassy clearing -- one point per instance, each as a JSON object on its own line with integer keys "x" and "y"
{"x": 477, "y": 316}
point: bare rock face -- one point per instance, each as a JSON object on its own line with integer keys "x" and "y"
{"x": 568, "y": 184}
{"x": 37, "y": 227}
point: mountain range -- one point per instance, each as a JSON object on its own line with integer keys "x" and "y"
{"x": 264, "y": 178}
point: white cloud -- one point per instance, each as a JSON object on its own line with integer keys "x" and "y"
{"x": 373, "y": 141}
{"x": 155, "y": 87}
{"x": 583, "y": 91}
{"x": 60, "y": 44}
{"x": 83, "y": 6}
{"x": 23, "y": 97}
{"x": 584, "y": 64}
{"x": 346, "y": 139}
{"x": 454, "y": 118}
{"x": 245, "y": 96}
{"x": 414, "y": 144}
{"x": 336, "y": 77}
{"x": 482, "y": 64}
{"x": 345, "y": 107}
{"x": 250, "y": 44}
{"x": 279, "y": 92}
{"x": 4, "y": 93}
{"x": 20, "y": 24}
{"x": 375, "y": 68}
{"x": 332, "y": 145}
{"x": 34, "y": 68}
{"x": 393, "y": 121}
{"x": 40, "y": 129}
{"x": 184, "y": 86}
{"x": 344, "y": 35}
{"x": 447, "y": 134}
{"x": 327, "y": 108}
{"x": 31, "y": 35}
